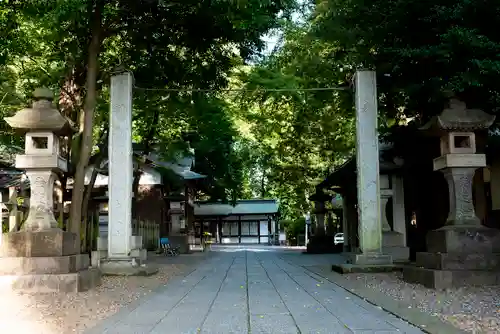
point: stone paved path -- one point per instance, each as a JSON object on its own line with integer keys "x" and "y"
{"x": 253, "y": 290}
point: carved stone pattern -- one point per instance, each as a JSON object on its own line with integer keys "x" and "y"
{"x": 41, "y": 215}
{"x": 460, "y": 192}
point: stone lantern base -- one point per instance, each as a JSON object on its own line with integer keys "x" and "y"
{"x": 45, "y": 261}
{"x": 457, "y": 256}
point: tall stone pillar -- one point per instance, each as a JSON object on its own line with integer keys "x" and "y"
{"x": 125, "y": 255}
{"x": 367, "y": 158}
{"x": 120, "y": 167}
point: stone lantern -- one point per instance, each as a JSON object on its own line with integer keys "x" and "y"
{"x": 42, "y": 126}
{"x": 463, "y": 252}
{"x": 42, "y": 257}
{"x": 459, "y": 160}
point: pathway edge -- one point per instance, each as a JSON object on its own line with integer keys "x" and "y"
{"x": 425, "y": 322}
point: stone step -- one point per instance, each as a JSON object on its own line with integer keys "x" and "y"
{"x": 43, "y": 265}
{"x": 458, "y": 261}
{"x": 46, "y": 283}
{"x": 392, "y": 239}
{"x": 445, "y": 279}
{"x": 398, "y": 253}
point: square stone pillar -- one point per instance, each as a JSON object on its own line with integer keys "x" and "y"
{"x": 120, "y": 167}
{"x": 368, "y": 183}
{"x": 125, "y": 255}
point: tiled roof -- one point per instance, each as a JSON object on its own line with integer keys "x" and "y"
{"x": 242, "y": 207}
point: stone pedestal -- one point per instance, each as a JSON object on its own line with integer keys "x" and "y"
{"x": 393, "y": 244}
{"x": 320, "y": 218}
{"x": 458, "y": 256}
{"x": 323, "y": 244}
{"x": 176, "y": 238}
{"x": 133, "y": 265}
{"x": 181, "y": 241}
{"x": 45, "y": 261}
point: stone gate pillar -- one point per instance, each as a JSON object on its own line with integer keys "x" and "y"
{"x": 368, "y": 183}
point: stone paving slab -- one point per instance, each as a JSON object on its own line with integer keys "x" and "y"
{"x": 386, "y": 304}
{"x": 253, "y": 292}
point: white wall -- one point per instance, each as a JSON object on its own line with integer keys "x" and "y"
{"x": 247, "y": 217}
{"x": 148, "y": 177}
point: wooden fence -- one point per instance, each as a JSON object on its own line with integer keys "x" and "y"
{"x": 150, "y": 232}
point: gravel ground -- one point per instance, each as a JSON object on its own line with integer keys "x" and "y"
{"x": 473, "y": 309}
{"x": 74, "y": 312}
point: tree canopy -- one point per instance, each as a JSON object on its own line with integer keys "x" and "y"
{"x": 277, "y": 134}
{"x": 73, "y": 46}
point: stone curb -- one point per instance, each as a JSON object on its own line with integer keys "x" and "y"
{"x": 107, "y": 323}
{"x": 425, "y": 322}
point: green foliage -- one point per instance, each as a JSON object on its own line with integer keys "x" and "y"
{"x": 294, "y": 228}
{"x": 175, "y": 44}
{"x": 421, "y": 51}
{"x": 293, "y": 138}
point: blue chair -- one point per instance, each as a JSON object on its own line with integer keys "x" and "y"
{"x": 167, "y": 248}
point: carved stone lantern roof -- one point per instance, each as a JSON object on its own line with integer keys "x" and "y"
{"x": 41, "y": 117}
{"x": 457, "y": 118}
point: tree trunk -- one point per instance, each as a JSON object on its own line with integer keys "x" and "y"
{"x": 86, "y": 121}
{"x": 103, "y": 153}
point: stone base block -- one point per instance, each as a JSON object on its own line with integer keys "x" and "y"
{"x": 458, "y": 261}
{"x": 50, "y": 243}
{"x": 102, "y": 243}
{"x": 137, "y": 256}
{"x": 398, "y": 254}
{"x": 43, "y": 265}
{"x": 141, "y": 255}
{"x": 347, "y": 268}
{"x": 180, "y": 241}
{"x": 392, "y": 239}
{"x": 323, "y": 245}
{"x": 445, "y": 279}
{"x": 97, "y": 256}
{"x": 464, "y": 239}
{"x": 47, "y": 283}
{"x": 126, "y": 267}
{"x": 369, "y": 259}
